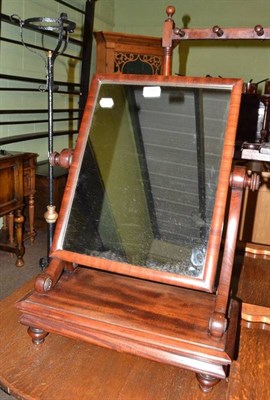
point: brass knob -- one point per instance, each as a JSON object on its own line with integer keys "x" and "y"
{"x": 179, "y": 32}
{"x": 218, "y": 31}
{"x": 259, "y": 30}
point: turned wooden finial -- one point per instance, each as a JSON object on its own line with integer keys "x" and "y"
{"x": 167, "y": 41}
{"x": 170, "y": 10}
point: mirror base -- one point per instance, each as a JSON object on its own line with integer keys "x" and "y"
{"x": 152, "y": 320}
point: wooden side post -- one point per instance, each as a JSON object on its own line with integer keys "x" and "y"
{"x": 239, "y": 181}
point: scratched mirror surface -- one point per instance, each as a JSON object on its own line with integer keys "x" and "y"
{"x": 146, "y": 187}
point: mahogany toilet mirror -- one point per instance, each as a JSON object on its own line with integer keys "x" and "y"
{"x": 144, "y": 185}
{"x": 143, "y": 218}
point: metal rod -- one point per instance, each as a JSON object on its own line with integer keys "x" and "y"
{"x": 31, "y": 136}
{"x": 39, "y": 121}
{"x": 46, "y": 25}
{"x": 36, "y": 80}
{"x": 39, "y": 111}
{"x": 16, "y": 89}
{"x": 50, "y": 144}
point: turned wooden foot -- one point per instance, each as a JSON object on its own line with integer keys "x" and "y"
{"x": 206, "y": 382}
{"x": 19, "y": 262}
{"x": 37, "y": 335}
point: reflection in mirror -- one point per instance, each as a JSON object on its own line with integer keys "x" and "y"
{"x": 147, "y": 184}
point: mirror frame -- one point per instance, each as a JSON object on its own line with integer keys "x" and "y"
{"x": 207, "y": 280}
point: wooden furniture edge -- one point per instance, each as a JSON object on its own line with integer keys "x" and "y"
{"x": 255, "y": 313}
{"x": 257, "y": 249}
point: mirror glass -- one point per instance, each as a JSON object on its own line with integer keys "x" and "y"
{"x": 146, "y": 187}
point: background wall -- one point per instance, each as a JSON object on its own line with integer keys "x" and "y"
{"x": 245, "y": 59}
{"x": 248, "y": 60}
{"x": 16, "y": 60}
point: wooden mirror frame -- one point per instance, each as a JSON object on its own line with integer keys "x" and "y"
{"x": 207, "y": 280}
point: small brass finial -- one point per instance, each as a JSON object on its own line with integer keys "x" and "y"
{"x": 51, "y": 215}
{"x": 170, "y": 10}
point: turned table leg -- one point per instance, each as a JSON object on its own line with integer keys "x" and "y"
{"x": 206, "y": 382}
{"x": 10, "y": 222}
{"x": 37, "y": 335}
{"x": 31, "y": 211}
{"x": 19, "y": 235}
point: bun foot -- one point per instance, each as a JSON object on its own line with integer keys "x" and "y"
{"x": 19, "y": 262}
{"x": 207, "y": 382}
{"x": 37, "y": 335}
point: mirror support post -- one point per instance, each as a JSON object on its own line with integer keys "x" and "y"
{"x": 167, "y": 42}
{"x": 239, "y": 180}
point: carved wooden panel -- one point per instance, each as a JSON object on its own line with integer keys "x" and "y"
{"x": 125, "y": 53}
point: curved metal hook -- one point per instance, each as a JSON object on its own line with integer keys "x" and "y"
{"x": 62, "y": 25}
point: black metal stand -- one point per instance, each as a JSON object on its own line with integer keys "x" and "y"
{"x": 62, "y": 26}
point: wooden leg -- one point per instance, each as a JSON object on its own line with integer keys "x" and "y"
{"x": 19, "y": 235}
{"x": 4, "y": 226}
{"x": 31, "y": 210}
{"x": 37, "y": 335}
{"x": 10, "y": 220}
{"x": 206, "y": 382}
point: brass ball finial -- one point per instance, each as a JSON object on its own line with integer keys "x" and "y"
{"x": 170, "y": 10}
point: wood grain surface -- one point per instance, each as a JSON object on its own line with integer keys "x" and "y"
{"x": 254, "y": 284}
{"x": 65, "y": 369}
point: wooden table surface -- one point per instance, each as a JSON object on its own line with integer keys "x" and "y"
{"x": 65, "y": 369}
